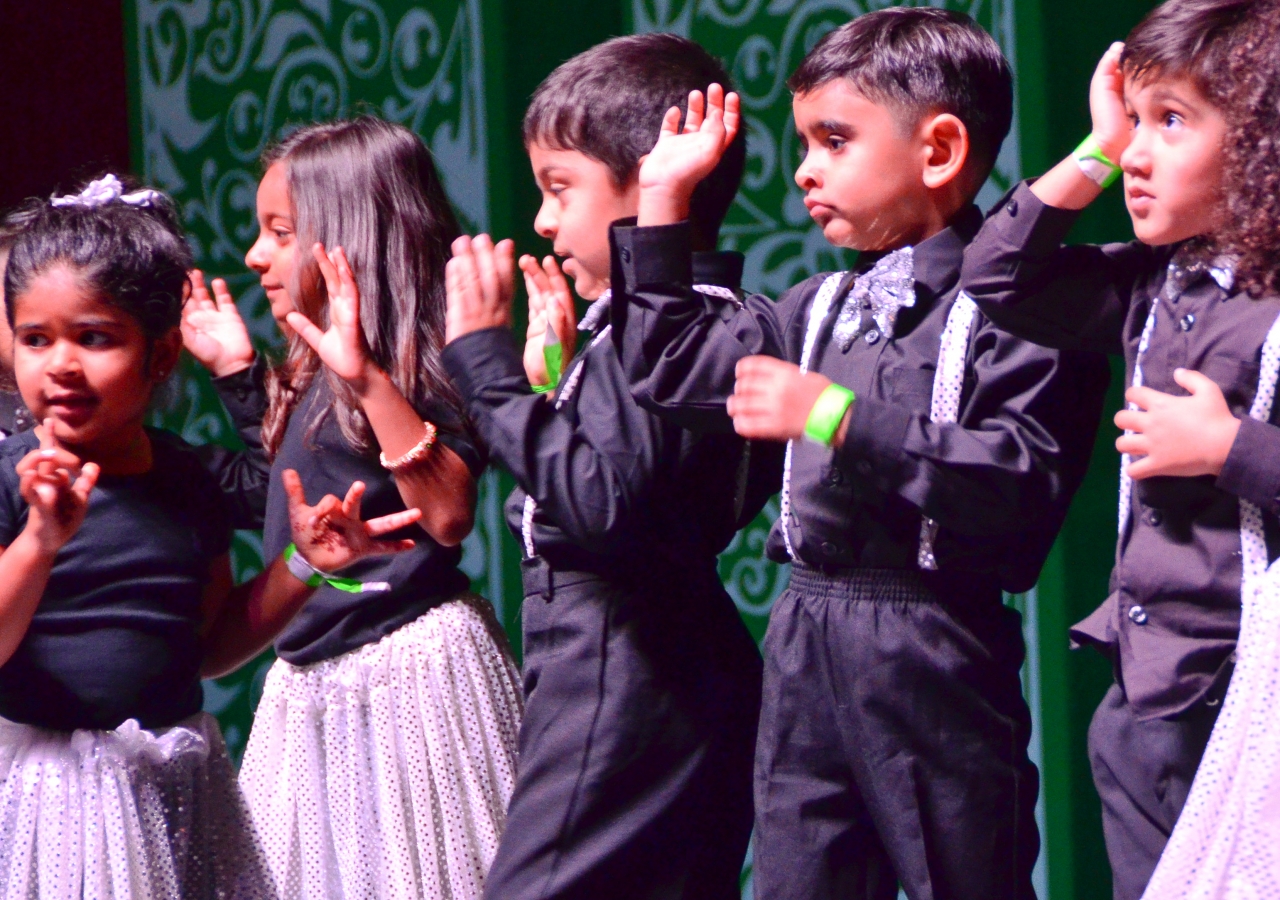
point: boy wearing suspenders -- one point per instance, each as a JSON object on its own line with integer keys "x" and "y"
{"x": 941, "y": 457}
{"x": 1199, "y": 470}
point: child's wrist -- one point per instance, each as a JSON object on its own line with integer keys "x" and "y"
{"x": 662, "y": 205}
{"x": 1097, "y": 162}
{"x": 302, "y": 569}
{"x": 827, "y": 414}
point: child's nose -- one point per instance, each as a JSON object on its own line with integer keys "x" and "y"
{"x": 807, "y": 174}
{"x": 257, "y": 257}
{"x": 546, "y": 223}
{"x": 1136, "y": 158}
{"x": 64, "y": 358}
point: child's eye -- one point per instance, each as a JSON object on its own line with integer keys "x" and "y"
{"x": 34, "y": 340}
{"x": 95, "y": 339}
{"x": 281, "y": 235}
{"x": 834, "y": 143}
{"x": 1171, "y": 120}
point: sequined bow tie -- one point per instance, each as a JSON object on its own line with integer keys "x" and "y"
{"x": 879, "y": 292}
{"x": 1185, "y": 268}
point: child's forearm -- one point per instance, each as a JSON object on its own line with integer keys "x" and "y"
{"x": 1065, "y": 186}
{"x": 440, "y": 484}
{"x": 251, "y": 617}
{"x": 24, "y": 574}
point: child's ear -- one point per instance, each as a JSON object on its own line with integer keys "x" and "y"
{"x": 946, "y": 145}
{"x": 164, "y": 355}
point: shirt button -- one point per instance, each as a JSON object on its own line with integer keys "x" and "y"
{"x": 1013, "y": 208}
{"x": 872, "y": 336}
{"x": 625, "y": 254}
{"x": 833, "y": 478}
{"x": 1186, "y": 322}
{"x": 828, "y": 548}
{"x": 1137, "y": 615}
{"x": 1154, "y": 517}
{"x": 863, "y": 466}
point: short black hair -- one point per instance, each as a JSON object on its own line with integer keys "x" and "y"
{"x": 11, "y": 225}
{"x": 917, "y": 61}
{"x": 608, "y": 103}
{"x": 134, "y": 256}
{"x": 1187, "y": 38}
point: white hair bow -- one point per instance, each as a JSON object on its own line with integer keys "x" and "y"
{"x": 106, "y": 190}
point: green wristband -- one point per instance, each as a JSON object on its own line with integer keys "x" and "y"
{"x": 543, "y": 388}
{"x": 301, "y": 569}
{"x": 553, "y": 356}
{"x": 827, "y": 413}
{"x": 1094, "y": 163}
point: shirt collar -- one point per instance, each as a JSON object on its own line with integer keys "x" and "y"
{"x": 937, "y": 260}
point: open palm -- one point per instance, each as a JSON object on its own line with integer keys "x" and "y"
{"x": 682, "y": 158}
{"x": 342, "y": 347}
{"x": 212, "y": 330}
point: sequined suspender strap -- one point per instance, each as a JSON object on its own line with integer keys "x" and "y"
{"x": 818, "y": 313}
{"x": 948, "y": 384}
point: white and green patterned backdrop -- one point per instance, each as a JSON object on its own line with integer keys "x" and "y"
{"x": 215, "y": 81}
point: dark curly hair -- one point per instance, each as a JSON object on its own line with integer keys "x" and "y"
{"x": 134, "y": 257}
{"x": 1251, "y": 155}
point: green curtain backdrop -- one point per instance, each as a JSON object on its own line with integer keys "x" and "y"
{"x": 214, "y": 81}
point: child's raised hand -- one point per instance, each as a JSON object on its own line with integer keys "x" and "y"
{"x": 1111, "y": 125}
{"x": 550, "y": 302}
{"x": 480, "y": 282}
{"x": 682, "y": 158}
{"x": 772, "y": 399}
{"x": 342, "y": 348}
{"x": 330, "y": 534}
{"x": 212, "y": 330}
{"x": 1182, "y": 436}
{"x": 56, "y": 487}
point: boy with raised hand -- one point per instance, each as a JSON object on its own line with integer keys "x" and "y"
{"x": 642, "y": 683}
{"x": 940, "y": 459}
{"x": 1192, "y": 344}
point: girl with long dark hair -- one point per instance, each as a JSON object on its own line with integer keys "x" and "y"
{"x": 383, "y": 751}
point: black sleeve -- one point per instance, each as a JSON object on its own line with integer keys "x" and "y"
{"x": 12, "y": 507}
{"x": 242, "y": 475}
{"x": 1252, "y": 469}
{"x": 588, "y": 472}
{"x": 1026, "y": 281}
{"x": 679, "y": 347}
{"x": 1026, "y": 429}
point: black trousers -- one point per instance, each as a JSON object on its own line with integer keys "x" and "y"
{"x": 1143, "y": 772}
{"x": 634, "y": 781}
{"x": 893, "y": 743}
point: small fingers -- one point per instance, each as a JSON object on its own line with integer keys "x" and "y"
{"x": 1145, "y": 397}
{"x": 199, "y": 293}
{"x": 391, "y": 522}
{"x": 225, "y": 302}
{"x": 697, "y": 110}
{"x": 670, "y": 123}
{"x": 385, "y": 548}
{"x": 327, "y": 269}
{"x": 505, "y": 261}
{"x": 351, "y": 502}
{"x": 1134, "y": 444}
{"x": 305, "y": 328}
{"x": 83, "y": 485}
{"x": 1131, "y": 420}
{"x": 486, "y": 266}
{"x": 293, "y": 491}
{"x": 732, "y": 117}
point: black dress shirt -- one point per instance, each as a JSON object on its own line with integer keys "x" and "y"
{"x": 618, "y": 489}
{"x": 1173, "y": 616}
{"x": 998, "y": 481}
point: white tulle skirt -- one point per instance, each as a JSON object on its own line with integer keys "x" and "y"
{"x": 128, "y": 814}
{"x": 386, "y": 772}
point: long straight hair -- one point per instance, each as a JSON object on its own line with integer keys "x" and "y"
{"x": 370, "y": 187}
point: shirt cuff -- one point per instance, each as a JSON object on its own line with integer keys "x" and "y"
{"x": 1025, "y": 221}
{"x": 1252, "y": 469}
{"x": 480, "y": 358}
{"x": 244, "y": 393}
{"x": 655, "y": 255}
{"x": 872, "y": 448}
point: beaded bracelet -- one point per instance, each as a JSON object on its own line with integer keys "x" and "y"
{"x": 414, "y": 455}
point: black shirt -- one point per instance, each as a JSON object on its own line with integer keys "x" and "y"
{"x": 116, "y": 634}
{"x": 618, "y": 489}
{"x": 243, "y": 475}
{"x": 333, "y": 622}
{"x": 1173, "y": 615}
{"x": 998, "y": 482}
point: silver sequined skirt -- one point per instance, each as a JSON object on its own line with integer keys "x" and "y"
{"x": 128, "y": 814}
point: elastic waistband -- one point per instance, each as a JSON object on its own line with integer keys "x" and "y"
{"x": 895, "y": 585}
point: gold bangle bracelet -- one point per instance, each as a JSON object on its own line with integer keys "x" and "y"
{"x": 414, "y": 454}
